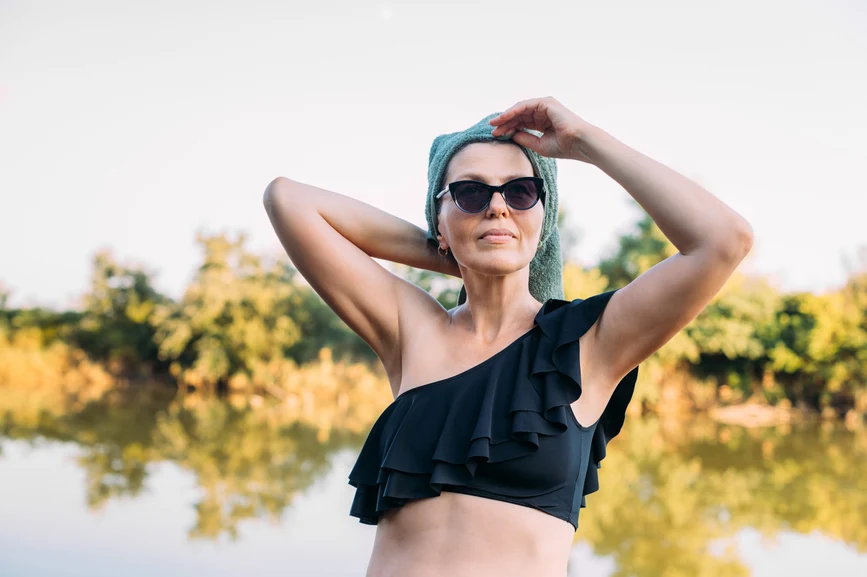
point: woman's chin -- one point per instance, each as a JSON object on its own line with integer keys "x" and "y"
{"x": 496, "y": 262}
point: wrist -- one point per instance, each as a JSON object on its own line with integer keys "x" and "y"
{"x": 588, "y": 142}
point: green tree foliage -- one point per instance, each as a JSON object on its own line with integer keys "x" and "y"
{"x": 800, "y": 348}
{"x": 636, "y": 252}
{"x": 236, "y": 319}
{"x": 115, "y": 325}
{"x": 246, "y": 322}
{"x": 839, "y": 343}
{"x": 817, "y": 346}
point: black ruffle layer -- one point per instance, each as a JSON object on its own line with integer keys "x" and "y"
{"x": 438, "y": 434}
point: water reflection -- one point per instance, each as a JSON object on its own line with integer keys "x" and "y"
{"x": 674, "y": 494}
{"x": 248, "y": 463}
{"x": 677, "y": 498}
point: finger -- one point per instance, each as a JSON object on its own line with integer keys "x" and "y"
{"x": 523, "y": 107}
{"x": 535, "y": 122}
{"x": 536, "y": 119}
{"x": 527, "y": 140}
{"x": 510, "y": 112}
{"x": 504, "y": 128}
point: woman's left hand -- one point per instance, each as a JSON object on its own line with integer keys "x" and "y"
{"x": 562, "y": 129}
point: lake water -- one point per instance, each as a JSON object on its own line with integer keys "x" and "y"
{"x": 163, "y": 490}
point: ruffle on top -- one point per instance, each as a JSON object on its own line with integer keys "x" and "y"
{"x": 437, "y": 435}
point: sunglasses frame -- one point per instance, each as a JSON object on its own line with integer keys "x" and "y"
{"x": 540, "y": 186}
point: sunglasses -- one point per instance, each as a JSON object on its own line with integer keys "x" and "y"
{"x": 473, "y": 196}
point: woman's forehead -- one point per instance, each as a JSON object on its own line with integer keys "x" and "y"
{"x": 486, "y": 161}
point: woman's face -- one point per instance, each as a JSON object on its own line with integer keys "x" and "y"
{"x": 493, "y": 163}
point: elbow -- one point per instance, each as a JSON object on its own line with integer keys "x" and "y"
{"x": 747, "y": 237}
{"x": 274, "y": 190}
{"x": 741, "y": 243}
{"x": 744, "y": 239}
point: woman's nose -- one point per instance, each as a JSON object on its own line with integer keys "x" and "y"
{"x": 498, "y": 202}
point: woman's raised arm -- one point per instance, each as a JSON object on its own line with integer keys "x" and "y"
{"x": 332, "y": 240}
{"x": 712, "y": 238}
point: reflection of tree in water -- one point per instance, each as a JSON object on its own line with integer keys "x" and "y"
{"x": 114, "y": 433}
{"x": 655, "y": 513}
{"x": 673, "y": 498}
{"x": 804, "y": 479}
{"x": 250, "y": 463}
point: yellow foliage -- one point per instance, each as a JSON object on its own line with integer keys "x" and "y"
{"x": 581, "y": 283}
{"x": 54, "y": 379}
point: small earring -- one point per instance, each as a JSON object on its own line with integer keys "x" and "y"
{"x": 441, "y": 253}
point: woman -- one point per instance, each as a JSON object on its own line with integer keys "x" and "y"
{"x": 481, "y": 464}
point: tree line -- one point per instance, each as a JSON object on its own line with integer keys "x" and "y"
{"x": 248, "y": 324}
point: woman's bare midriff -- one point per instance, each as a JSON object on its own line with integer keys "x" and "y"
{"x": 458, "y": 535}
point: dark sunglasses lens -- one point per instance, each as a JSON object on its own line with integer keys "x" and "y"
{"x": 472, "y": 197}
{"x": 522, "y": 194}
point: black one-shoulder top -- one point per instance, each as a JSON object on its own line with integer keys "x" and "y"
{"x": 503, "y": 429}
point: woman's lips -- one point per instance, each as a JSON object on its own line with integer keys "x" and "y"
{"x": 497, "y": 238}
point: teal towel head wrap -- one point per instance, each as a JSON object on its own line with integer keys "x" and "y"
{"x": 546, "y": 268}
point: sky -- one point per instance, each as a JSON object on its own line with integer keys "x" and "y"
{"x": 132, "y": 126}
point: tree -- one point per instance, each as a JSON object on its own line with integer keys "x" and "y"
{"x": 235, "y": 320}
{"x": 636, "y": 253}
{"x": 115, "y": 325}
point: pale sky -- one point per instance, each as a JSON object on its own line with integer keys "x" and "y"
{"x": 132, "y": 125}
